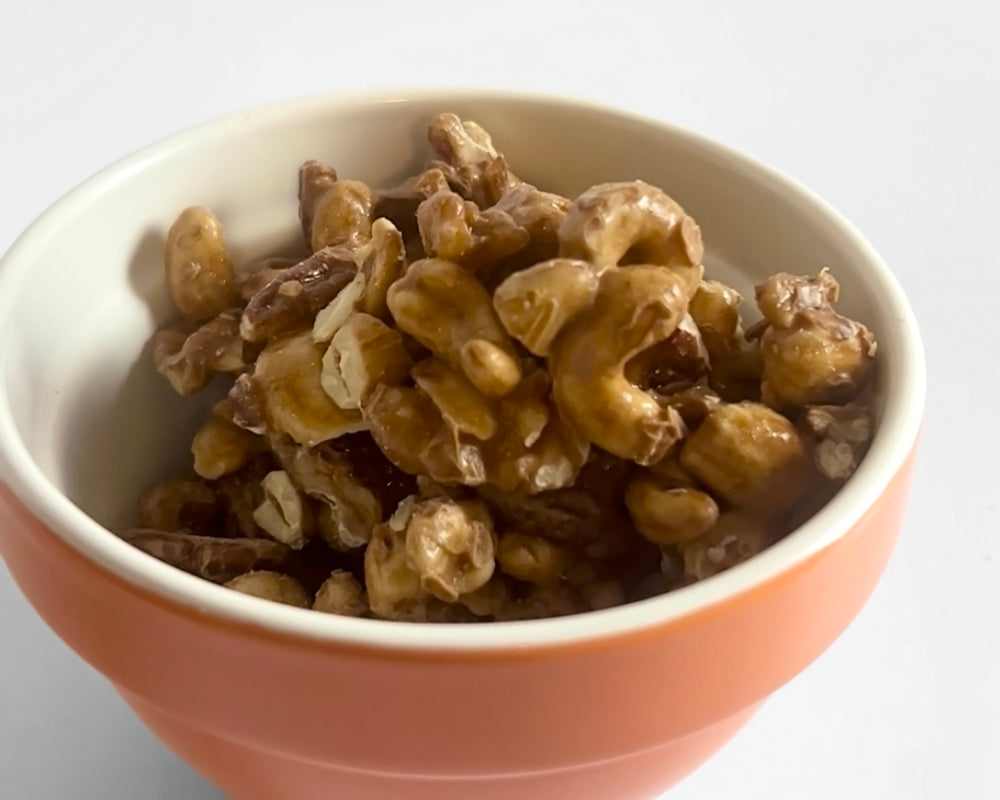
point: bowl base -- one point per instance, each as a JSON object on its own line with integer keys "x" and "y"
{"x": 245, "y": 773}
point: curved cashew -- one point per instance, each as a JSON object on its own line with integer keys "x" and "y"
{"x": 669, "y": 515}
{"x": 811, "y": 353}
{"x": 734, "y": 369}
{"x": 221, "y": 447}
{"x": 635, "y": 308}
{"x": 447, "y": 310}
{"x": 536, "y": 303}
{"x": 200, "y": 275}
{"x": 634, "y": 221}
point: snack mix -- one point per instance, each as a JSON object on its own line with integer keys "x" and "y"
{"x": 474, "y": 400}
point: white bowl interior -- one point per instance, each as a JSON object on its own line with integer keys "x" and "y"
{"x": 82, "y": 412}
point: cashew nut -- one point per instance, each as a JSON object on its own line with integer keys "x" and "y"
{"x": 342, "y": 215}
{"x": 200, "y": 275}
{"x": 315, "y": 178}
{"x": 534, "y": 304}
{"x": 272, "y": 586}
{"x": 632, "y": 222}
{"x": 447, "y": 310}
{"x": 635, "y": 308}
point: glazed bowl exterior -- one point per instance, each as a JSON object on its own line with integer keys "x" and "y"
{"x": 269, "y": 701}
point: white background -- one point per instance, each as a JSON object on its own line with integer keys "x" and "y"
{"x": 892, "y": 114}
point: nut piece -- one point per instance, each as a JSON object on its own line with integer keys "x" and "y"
{"x": 735, "y": 538}
{"x": 189, "y": 359}
{"x": 288, "y": 378}
{"x": 341, "y": 594}
{"x": 468, "y": 159}
{"x": 294, "y": 297}
{"x": 667, "y": 515}
{"x": 270, "y": 586}
{"x": 394, "y": 590}
{"x": 535, "y": 304}
{"x": 462, "y": 407}
{"x": 540, "y": 214}
{"x": 200, "y": 275}
{"x": 352, "y": 510}
{"x": 399, "y": 204}
{"x": 239, "y": 493}
{"x": 258, "y": 274}
{"x": 811, "y": 354}
{"x": 450, "y": 546}
{"x": 243, "y": 405}
{"x": 749, "y": 455}
{"x": 447, "y": 310}
{"x": 282, "y": 514}
{"x": 635, "y": 223}
{"x": 214, "y": 559}
{"x": 335, "y": 313}
{"x": 343, "y": 215}
{"x": 843, "y": 434}
{"x": 635, "y": 308}
{"x": 693, "y": 403}
{"x": 220, "y": 447}
{"x": 187, "y": 506}
{"x": 383, "y": 263}
{"x": 364, "y": 352}
{"x": 735, "y": 366}
{"x": 531, "y": 558}
{"x": 456, "y": 230}
{"x": 315, "y": 179}
{"x": 679, "y": 360}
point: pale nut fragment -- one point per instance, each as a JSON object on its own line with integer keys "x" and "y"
{"x": 636, "y": 307}
{"x": 811, "y": 354}
{"x": 464, "y": 409}
{"x": 363, "y": 352}
{"x": 843, "y": 434}
{"x": 633, "y": 223}
{"x": 283, "y": 514}
{"x": 450, "y": 546}
{"x": 219, "y": 447}
{"x": 535, "y": 304}
{"x": 343, "y": 215}
{"x": 341, "y": 594}
{"x": 315, "y": 179}
{"x": 748, "y": 455}
{"x": 294, "y": 298}
{"x": 243, "y": 405}
{"x": 273, "y": 586}
{"x": 537, "y": 212}
{"x": 447, "y": 310}
{"x": 531, "y": 558}
{"x": 669, "y": 515}
{"x": 287, "y": 377}
{"x": 209, "y": 557}
{"x": 189, "y": 359}
{"x": 335, "y": 313}
{"x": 200, "y": 276}
{"x": 735, "y": 538}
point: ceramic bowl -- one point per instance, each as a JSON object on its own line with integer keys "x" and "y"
{"x": 269, "y": 701}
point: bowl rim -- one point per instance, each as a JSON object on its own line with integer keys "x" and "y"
{"x": 895, "y": 438}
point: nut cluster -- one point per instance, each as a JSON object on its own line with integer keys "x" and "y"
{"x": 470, "y": 399}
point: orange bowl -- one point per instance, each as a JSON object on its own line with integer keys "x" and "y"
{"x": 271, "y": 701}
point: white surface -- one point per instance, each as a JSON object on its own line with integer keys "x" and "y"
{"x": 889, "y": 114}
